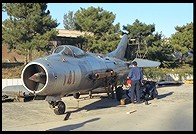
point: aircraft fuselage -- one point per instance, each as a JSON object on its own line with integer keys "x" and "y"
{"x": 68, "y": 74}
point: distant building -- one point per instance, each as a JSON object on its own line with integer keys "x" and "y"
{"x": 71, "y": 33}
{"x": 69, "y": 37}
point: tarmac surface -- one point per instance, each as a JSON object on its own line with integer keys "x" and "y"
{"x": 172, "y": 111}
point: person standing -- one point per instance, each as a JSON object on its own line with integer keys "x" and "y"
{"x": 136, "y": 76}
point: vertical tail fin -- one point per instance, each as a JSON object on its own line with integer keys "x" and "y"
{"x": 119, "y": 52}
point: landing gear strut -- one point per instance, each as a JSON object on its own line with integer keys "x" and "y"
{"x": 119, "y": 93}
{"x": 58, "y": 106}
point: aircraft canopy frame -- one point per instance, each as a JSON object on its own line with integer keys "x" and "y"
{"x": 69, "y": 50}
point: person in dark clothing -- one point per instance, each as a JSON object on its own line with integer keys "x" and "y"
{"x": 136, "y": 76}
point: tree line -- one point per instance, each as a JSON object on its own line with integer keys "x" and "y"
{"x": 30, "y": 26}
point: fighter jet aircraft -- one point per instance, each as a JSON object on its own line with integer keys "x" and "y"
{"x": 70, "y": 70}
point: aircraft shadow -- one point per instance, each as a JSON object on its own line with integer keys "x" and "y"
{"x": 167, "y": 94}
{"x": 164, "y": 95}
{"x": 104, "y": 102}
{"x": 170, "y": 85}
{"x": 72, "y": 126}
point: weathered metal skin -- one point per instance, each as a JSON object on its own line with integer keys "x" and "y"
{"x": 70, "y": 70}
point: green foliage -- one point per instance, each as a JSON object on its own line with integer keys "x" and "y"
{"x": 147, "y": 45}
{"x": 162, "y": 53}
{"x": 182, "y": 40}
{"x": 139, "y": 29}
{"x": 94, "y": 20}
{"x": 105, "y": 44}
{"x": 28, "y": 27}
{"x": 152, "y": 46}
{"x": 105, "y": 37}
{"x": 160, "y": 73}
{"x": 69, "y": 21}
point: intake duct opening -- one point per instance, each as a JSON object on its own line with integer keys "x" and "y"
{"x": 34, "y": 77}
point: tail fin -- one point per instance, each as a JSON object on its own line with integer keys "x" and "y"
{"x": 119, "y": 52}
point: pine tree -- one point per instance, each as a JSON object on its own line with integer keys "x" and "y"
{"x": 28, "y": 27}
{"x": 69, "y": 21}
{"x": 99, "y": 22}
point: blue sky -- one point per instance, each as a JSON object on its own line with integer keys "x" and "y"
{"x": 165, "y": 16}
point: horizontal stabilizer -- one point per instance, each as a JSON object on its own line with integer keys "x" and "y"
{"x": 146, "y": 63}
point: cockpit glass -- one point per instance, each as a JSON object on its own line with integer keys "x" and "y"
{"x": 69, "y": 50}
{"x": 58, "y": 49}
{"x": 77, "y": 51}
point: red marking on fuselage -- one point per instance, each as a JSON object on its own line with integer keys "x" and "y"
{"x": 73, "y": 77}
{"x": 64, "y": 80}
{"x": 69, "y": 78}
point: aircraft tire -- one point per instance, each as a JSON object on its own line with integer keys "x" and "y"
{"x": 59, "y": 108}
{"x": 119, "y": 93}
{"x": 76, "y": 95}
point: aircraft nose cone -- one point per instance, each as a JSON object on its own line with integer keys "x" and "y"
{"x": 38, "y": 77}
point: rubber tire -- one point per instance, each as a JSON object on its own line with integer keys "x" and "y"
{"x": 60, "y": 108}
{"x": 119, "y": 91}
{"x": 76, "y": 95}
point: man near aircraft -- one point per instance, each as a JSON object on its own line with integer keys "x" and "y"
{"x": 136, "y": 76}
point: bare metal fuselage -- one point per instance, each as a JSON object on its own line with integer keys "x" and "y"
{"x": 70, "y": 70}
{"x": 68, "y": 74}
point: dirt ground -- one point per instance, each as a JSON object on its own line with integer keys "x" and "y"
{"x": 172, "y": 111}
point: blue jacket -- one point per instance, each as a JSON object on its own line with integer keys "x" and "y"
{"x": 135, "y": 73}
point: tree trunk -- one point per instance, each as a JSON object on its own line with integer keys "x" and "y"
{"x": 26, "y": 59}
{"x": 30, "y": 55}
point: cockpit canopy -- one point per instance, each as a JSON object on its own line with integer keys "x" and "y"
{"x": 69, "y": 50}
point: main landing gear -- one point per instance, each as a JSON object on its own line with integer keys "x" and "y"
{"x": 58, "y": 107}
{"x": 76, "y": 95}
{"x": 119, "y": 93}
